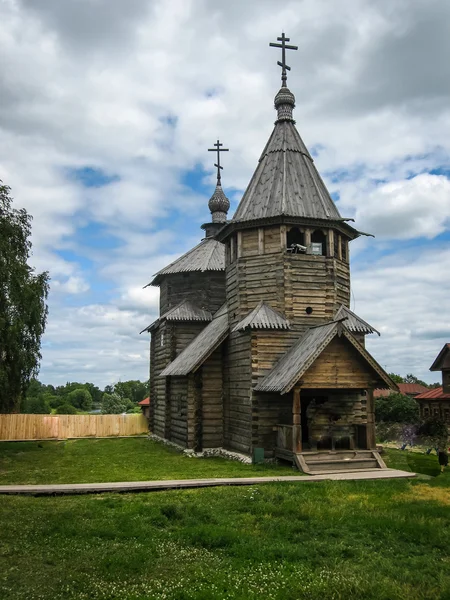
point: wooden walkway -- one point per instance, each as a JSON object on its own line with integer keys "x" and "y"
{"x": 154, "y": 486}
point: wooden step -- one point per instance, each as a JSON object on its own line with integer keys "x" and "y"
{"x": 313, "y": 463}
{"x": 331, "y": 456}
{"x": 357, "y": 464}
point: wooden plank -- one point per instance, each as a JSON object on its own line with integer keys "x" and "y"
{"x": 48, "y": 427}
{"x": 296, "y": 421}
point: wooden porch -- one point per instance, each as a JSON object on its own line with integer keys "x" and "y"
{"x": 336, "y": 444}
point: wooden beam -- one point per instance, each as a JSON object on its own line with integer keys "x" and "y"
{"x": 308, "y": 238}
{"x": 239, "y": 244}
{"x": 283, "y": 237}
{"x": 260, "y": 240}
{"x": 330, "y": 240}
{"x": 339, "y": 247}
{"x": 296, "y": 421}
{"x": 370, "y": 407}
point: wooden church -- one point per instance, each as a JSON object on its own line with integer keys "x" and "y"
{"x": 255, "y": 346}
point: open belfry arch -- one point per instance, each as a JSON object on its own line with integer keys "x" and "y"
{"x": 256, "y": 346}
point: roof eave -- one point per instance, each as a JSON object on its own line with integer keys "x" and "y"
{"x": 339, "y": 224}
{"x": 436, "y": 366}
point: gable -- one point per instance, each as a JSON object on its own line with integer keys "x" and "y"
{"x": 340, "y": 365}
{"x": 442, "y": 360}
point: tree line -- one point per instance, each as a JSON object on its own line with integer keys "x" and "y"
{"x": 76, "y": 398}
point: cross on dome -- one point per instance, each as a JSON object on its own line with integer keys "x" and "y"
{"x": 218, "y": 148}
{"x": 283, "y": 39}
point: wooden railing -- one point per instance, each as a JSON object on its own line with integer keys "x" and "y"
{"x": 58, "y": 427}
{"x": 284, "y": 437}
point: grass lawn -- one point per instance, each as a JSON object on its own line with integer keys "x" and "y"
{"x": 371, "y": 540}
{"x": 122, "y": 459}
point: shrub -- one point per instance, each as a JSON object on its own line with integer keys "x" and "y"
{"x": 66, "y": 409}
{"x": 113, "y": 404}
{"x": 36, "y": 406}
{"x": 80, "y": 398}
{"x": 397, "y": 408}
{"x": 55, "y": 401}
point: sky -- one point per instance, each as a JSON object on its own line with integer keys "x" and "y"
{"x": 107, "y": 109}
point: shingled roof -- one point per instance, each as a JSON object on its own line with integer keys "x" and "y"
{"x": 304, "y": 353}
{"x": 194, "y": 355}
{"x": 263, "y": 317}
{"x": 286, "y": 182}
{"x": 209, "y": 255}
{"x": 185, "y": 311}
{"x": 353, "y": 322}
{"x": 439, "y": 361}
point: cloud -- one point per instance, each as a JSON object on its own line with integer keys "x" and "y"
{"x": 412, "y": 208}
{"x": 135, "y": 93}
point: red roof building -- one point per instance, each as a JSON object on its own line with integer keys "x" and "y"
{"x": 434, "y": 394}
{"x": 436, "y": 402}
{"x": 145, "y": 407}
{"x": 407, "y": 389}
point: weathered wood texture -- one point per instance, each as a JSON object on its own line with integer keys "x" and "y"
{"x": 238, "y": 402}
{"x": 205, "y": 290}
{"x": 212, "y": 401}
{"x": 160, "y": 357}
{"x": 435, "y": 408}
{"x": 268, "y": 410}
{"x": 289, "y": 283}
{"x": 48, "y": 427}
{"x": 168, "y": 340}
{"x": 340, "y": 366}
{"x": 177, "y": 401}
{"x": 337, "y": 416}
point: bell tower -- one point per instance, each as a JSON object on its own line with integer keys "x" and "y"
{"x": 287, "y": 244}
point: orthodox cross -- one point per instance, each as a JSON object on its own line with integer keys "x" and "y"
{"x": 283, "y": 39}
{"x": 218, "y": 148}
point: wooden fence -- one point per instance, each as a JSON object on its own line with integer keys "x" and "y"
{"x": 59, "y": 427}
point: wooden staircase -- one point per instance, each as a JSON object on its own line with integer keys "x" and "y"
{"x": 338, "y": 461}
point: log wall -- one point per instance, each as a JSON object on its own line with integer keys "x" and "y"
{"x": 340, "y": 366}
{"x": 177, "y": 336}
{"x": 238, "y": 401}
{"x": 206, "y": 290}
{"x": 212, "y": 401}
{"x": 290, "y": 283}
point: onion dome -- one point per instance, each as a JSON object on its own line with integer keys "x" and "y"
{"x": 219, "y": 205}
{"x": 284, "y": 104}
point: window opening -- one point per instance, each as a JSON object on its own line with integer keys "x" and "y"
{"x": 295, "y": 241}
{"x": 319, "y": 243}
{"x": 343, "y": 248}
{"x": 336, "y": 245}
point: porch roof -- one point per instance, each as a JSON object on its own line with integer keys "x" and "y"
{"x": 353, "y": 322}
{"x": 263, "y": 316}
{"x": 300, "y": 357}
{"x": 201, "y": 347}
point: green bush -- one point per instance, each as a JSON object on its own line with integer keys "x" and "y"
{"x": 55, "y": 401}
{"x": 113, "y": 404}
{"x": 66, "y": 409}
{"x": 80, "y": 398}
{"x": 36, "y": 406}
{"x": 397, "y": 408}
